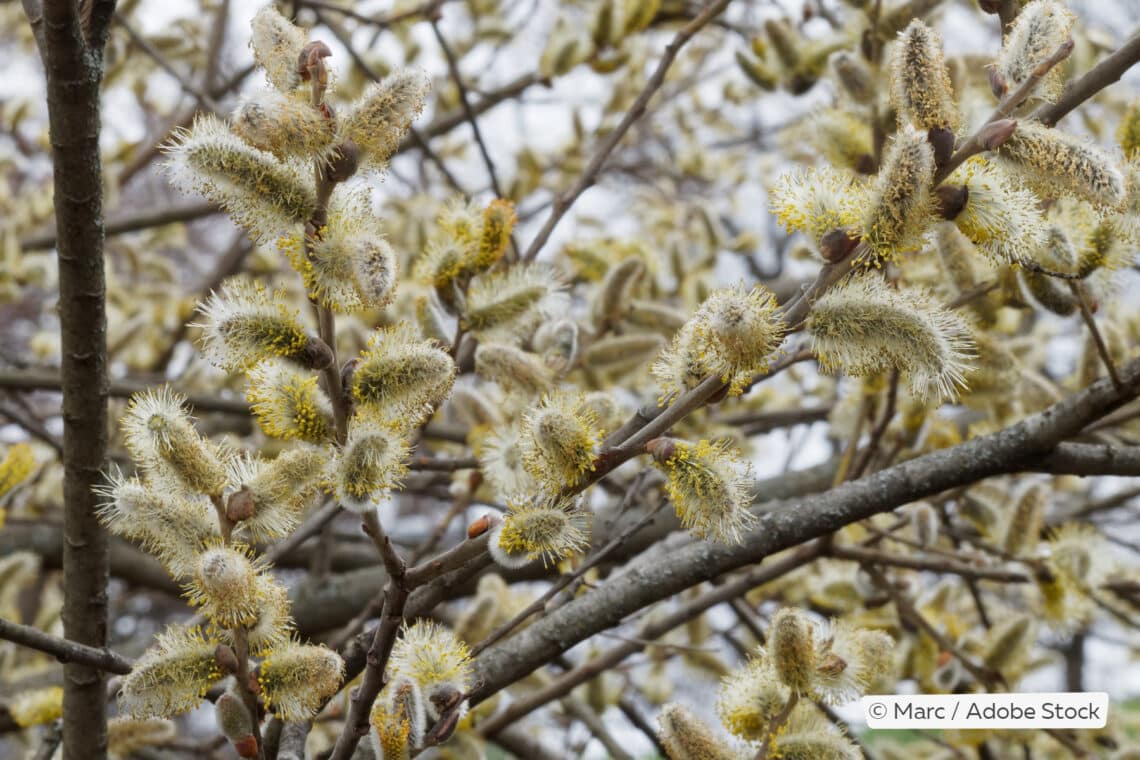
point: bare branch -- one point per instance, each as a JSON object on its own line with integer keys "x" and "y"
{"x": 563, "y": 202}
{"x": 64, "y": 650}
{"x": 1109, "y": 70}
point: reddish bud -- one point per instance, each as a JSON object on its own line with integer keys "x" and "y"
{"x": 997, "y": 132}
{"x": 942, "y": 140}
{"x": 310, "y": 58}
{"x": 240, "y": 505}
{"x": 226, "y": 658}
{"x": 951, "y": 199}
{"x": 866, "y": 164}
{"x": 246, "y": 746}
{"x": 998, "y": 85}
{"x": 344, "y": 162}
{"x": 479, "y": 526}
{"x": 317, "y": 354}
{"x": 837, "y": 245}
{"x": 442, "y": 730}
{"x": 661, "y": 449}
{"x": 251, "y": 683}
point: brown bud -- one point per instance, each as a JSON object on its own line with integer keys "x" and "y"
{"x": 346, "y": 373}
{"x": 998, "y": 85}
{"x": 997, "y": 132}
{"x": 867, "y": 43}
{"x": 831, "y": 665}
{"x": 240, "y": 505}
{"x": 344, "y": 162}
{"x": 444, "y": 698}
{"x": 479, "y": 526}
{"x": 837, "y": 245}
{"x": 990, "y": 6}
{"x": 800, "y": 82}
{"x": 662, "y": 449}
{"x": 246, "y": 746}
{"x": 317, "y": 354}
{"x": 310, "y": 58}
{"x": 251, "y": 683}
{"x": 226, "y": 658}
{"x": 951, "y": 199}
{"x": 866, "y": 164}
{"x": 442, "y": 730}
{"x": 942, "y": 140}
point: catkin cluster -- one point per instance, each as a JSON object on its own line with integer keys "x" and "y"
{"x": 767, "y": 702}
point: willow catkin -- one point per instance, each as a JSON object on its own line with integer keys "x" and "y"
{"x": 243, "y": 323}
{"x": 262, "y": 194}
{"x": 863, "y": 326}
{"x": 433, "y": 657}
{"x": 808, "y": 735}
{"x": 1000, "y": 217}
{"x": 1050, "y": 160}
{"x": 546, "y": 528}
{"x": 224, "y": 584}
{"x": 378, "y": 121}
{"x": 401, "y": 377}
{"x": 371, "y": 463}
{"x": 277, "y": 45}
{"x": 684, "y": 735}
{"x": 854, "y": 75}
{"x": 1039, "y": 29}
{"x": 171, "y": 677}
{"x": 792, "y": 649}
{"x": 920, "y": 82}
{"x": 297, "y": 679}
{"x": 710, "y": 486}
{"x": 737, "y": 331}
{"x": 288, "y": 402}
{"x": 559, "y": 440}
{"x": 899, "y": 207}
{"x": 284, "y": 125}
{"x": 750, "y": 697}
{"x": 162, "y": 439}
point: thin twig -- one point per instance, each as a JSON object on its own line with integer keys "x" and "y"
{"x": 1077, "y": 91}
{"x": 465, "y": 102}
{"x": 858, "y": 554}
{"x": 184, "y": 82}
{"x": 1098, "y": 339}
{"x": 563, "y": 202}
{"x": 880, "y": 428}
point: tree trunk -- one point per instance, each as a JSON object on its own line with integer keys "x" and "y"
{"x": 71, "y": 43}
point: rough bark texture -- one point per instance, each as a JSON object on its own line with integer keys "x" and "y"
{"x": 71, "y": 44}
{"x": 1027, "y": 445}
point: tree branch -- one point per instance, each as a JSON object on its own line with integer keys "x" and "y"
{"x": 1021, "y": 447}
{"x": 63, "y": 650}
{"x": 1077, "y": 91}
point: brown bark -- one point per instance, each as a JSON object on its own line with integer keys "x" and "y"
{"x": 71, "y": 44}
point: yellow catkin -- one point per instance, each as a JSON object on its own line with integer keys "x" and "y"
{"x": 920, "y": 83}
{"x": 16, "y": 466}
{"x": 898, "y": 209}
{"x": 1050, "y": 160}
